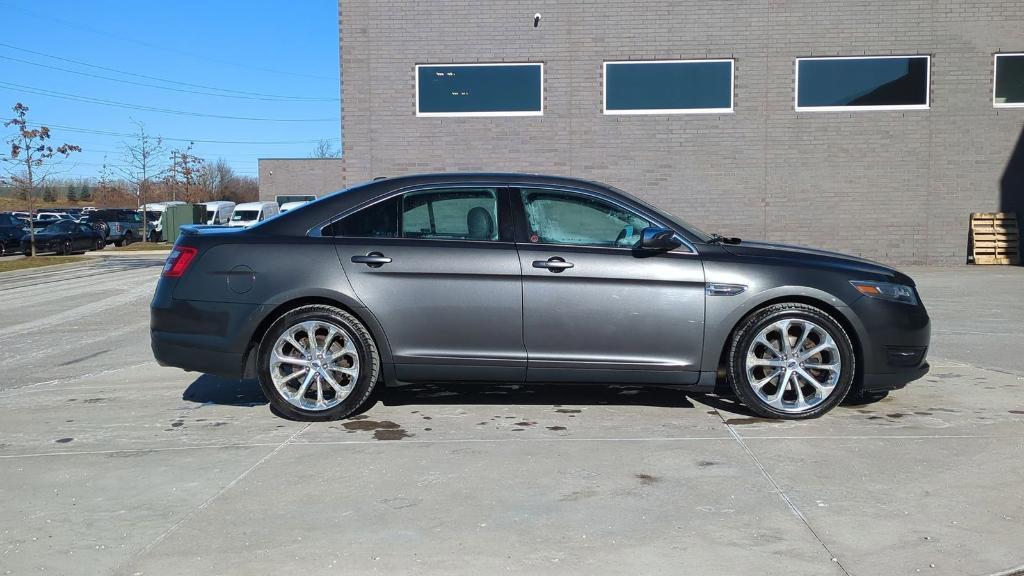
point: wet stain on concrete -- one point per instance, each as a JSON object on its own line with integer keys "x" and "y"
{"x": 556, "y": 428}
{"x": 427, "y": 418}
{"x": 177, "y": 424}
{"x": 1016, "y": 411}
{"x": 742, "y": 421}
{"x": 706, "y": 463}
{"x": 712, "y": 412}
{"x": 646, "y": 479}
{"x": 946, "y": 375}
{"x": 568, "y": 411}
{"x": 360, "y": 417}
{"x": 428, "y": 429}
{"x": 949, "y": 410}
{"x": 63, "y": 440}
{"x": 875, "y": 418}
{"x": 216, "y": 424}
{"x": 896, "y": 415}
{"x": 370, "y": 425}
{"x": 923, "y": 413}
{"x": 525, "y": 424}
{"x": 390, "y": 434}
{"x": 517, "y": 429}
{"x": 481, "y": 423}
{"x": 94, "y": 400}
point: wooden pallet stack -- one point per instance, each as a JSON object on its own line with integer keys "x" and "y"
{"x": 995, "y": 238}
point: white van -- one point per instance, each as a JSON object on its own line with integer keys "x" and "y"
{"x": 292, "y": 205}
{"x": 219, "y": 211}
{"x": 252, "y": 212}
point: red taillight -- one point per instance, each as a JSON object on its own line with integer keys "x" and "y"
{"x": 178, "y": 260}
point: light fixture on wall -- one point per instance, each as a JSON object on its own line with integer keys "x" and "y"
{"x": 536, "y": 19}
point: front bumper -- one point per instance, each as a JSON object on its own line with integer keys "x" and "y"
{"x": 894, "y": 339}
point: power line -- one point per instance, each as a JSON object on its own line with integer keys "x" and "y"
{"x": 115, "y": 104}
{"x": 273, "y": 99}
{"x": 156, "y": 46}
{"x": 197, "y": 140}
{"x": 158, "y": 79}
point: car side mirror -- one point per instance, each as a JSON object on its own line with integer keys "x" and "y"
{"x": 658, "y": 239}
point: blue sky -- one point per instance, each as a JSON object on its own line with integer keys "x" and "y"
{"x": 253, "y": 59}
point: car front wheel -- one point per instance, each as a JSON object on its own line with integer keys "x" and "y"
{"x": 318, "y": 363}
{"x": 791, "y": 360}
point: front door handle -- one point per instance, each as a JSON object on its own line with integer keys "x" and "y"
{"x": 373, "y": 259}
{"x": 554, "y": 264}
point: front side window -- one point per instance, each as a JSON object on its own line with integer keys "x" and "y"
{"x": 862, "y": 83}
{"x": 557, "y": 217}
{"x": 479, "y": 90}
{"x": 455, "y": 214}
{"x": 1009, "y": 81}
{"x": 668, "y": 87}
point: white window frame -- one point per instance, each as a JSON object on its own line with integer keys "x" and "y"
{"x": 420, "y": 114}
{"x": 732, "y": 89}
{"x": 995, "y": 72}
{"x": 928, "y": 82}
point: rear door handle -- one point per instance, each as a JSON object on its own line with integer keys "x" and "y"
{"x": 554, "y": 264}
{"x": 373, "y": 259}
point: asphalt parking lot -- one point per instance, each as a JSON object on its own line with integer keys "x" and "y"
{"x": 110, "y": 464}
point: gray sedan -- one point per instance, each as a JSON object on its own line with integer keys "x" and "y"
{"x": 527, "y": 279}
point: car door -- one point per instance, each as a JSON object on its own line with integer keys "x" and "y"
{"x": 438, "y": 268}
{"x": 83, "y": 237}
{"x": 595, "y": 308}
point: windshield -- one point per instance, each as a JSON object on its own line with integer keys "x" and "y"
{"x": 59, "y": 227}
{"x": 245, "y": 215}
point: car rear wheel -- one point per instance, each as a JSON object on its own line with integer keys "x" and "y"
{"x": 127, "y": 238}
{"x": 791, "y": 361}
{"x": 65, "y": 248}
{"x": 318, "y": 363}
{"x": 99, "y": 244}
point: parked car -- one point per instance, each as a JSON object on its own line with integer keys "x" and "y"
{"x": 251, "y": 213}
{"x": 64, "y": 237}
{"x": 219, "y": 211}
{"x": 12, "y": 229}
{"x": 527, "y": 278}
{"x": 291, "y": 205}
{"x": 119, "y": 226}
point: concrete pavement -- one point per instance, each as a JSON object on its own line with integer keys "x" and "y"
{"x": 110, "y": 464}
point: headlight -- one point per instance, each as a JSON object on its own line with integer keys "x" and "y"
{"x": 886, "y": 291}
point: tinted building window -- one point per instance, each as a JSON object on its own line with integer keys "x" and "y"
{"x": 668, "y": 87}
{"x": 479, "y": 90}
{"x": 1009, "y": 82}
{"x": 844, "y": 83}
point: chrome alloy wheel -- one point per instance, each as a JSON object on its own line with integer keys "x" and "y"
{"x": 793, "y": 365}
{"x": 315, "y": 365}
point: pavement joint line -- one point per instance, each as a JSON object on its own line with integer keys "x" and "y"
{"x": 216, "y": 495}
{"x": 1018, "y": 571}
{"x": 488, "y": 440}
{"x": 16, "y": 391}
{"x": 782, "y": 494}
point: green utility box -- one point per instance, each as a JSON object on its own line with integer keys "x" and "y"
{"x": 180, "y": 215}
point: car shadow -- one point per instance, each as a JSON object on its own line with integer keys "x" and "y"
{"x": 209, "y": 389}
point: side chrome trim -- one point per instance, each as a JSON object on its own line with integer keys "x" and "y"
{"x": 719, "y": 289}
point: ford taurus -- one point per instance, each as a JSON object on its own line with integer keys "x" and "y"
{"x": 527, "y": 279}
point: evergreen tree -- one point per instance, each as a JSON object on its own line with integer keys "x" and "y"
{"x": 72, "y": 193}
{"x": 84, "y": 193}
{"x": 49, "y": 194}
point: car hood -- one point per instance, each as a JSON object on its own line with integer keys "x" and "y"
{"x": 825, "y": 258}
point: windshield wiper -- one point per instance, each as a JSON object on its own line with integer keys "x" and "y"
{"x": 719, "y": 239}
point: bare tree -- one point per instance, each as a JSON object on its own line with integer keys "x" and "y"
{"x": 185, "y": 168}
{"x": 28, "y": 165}
{"x": 142, "y": 165}
{"x": 324, "y": 149}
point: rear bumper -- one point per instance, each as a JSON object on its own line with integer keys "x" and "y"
{"x": 209, "y": 337}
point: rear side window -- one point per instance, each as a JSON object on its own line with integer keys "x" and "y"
{"x": 7, "y": 220}
{"x": 453, "y": 214}
{"x": 377, "y": 221}
{"x": 556, "y": 217}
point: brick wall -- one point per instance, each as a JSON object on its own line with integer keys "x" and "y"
{"x": 894, "y": 186}
{"x": 291, "y": 176}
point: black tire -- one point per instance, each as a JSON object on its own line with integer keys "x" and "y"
{"x": 65, "y": 249}
{"x": 744, "y": 336}
{"x": 3, "y": 249}
{"x": 365, "y": 347}
{"x": 99, "y": 244}
{"x": 127, "y": 238}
